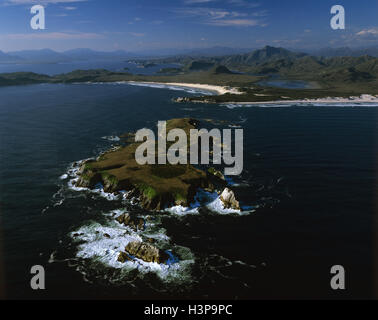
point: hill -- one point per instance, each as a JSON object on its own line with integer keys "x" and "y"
{"x": 8, "y": 58}
{"x": 221, "y": 70}
{"x": 260, "y": 56}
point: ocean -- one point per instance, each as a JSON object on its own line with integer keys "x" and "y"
{"x": 65, "y": 67}
{"x": 309, "y": 185}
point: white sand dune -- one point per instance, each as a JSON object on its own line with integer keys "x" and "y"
{"x": 208, "y": 87}
{"x": 220, "y": 90}
{"x": 365, "y": 98}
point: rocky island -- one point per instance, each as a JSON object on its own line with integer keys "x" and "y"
{"x": 152, "y": 187}
{"x": 157, "y": 187}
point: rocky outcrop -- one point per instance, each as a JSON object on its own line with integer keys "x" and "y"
{"x": 181, "y": 100}
{"x": 216, "y": 173}
{"x": 155, "y": 186}
{"x": 124, "y": 219}
{"x": 123, "y": 257}
{"x": 143, "y": 251}
{"x": 228, "y": 199}
{"x": 194, "y": 100}
{"x": 134, "y": 223}
{"x": 216, "y": 178}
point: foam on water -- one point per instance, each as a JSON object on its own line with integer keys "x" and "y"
{"x": 210, "y": 200}
{"x": 99, "y": 244}
{"x": 95, "y": 247}
{"x": 217, "y": 206}
{"x": 111, "y": 138}
{"x": 63, "y": 176}
{"x": 180, "y": 210}
{"x": 99, "y": 247}
{"x": 201, "y": 199}
{"x": 73, "y": 174}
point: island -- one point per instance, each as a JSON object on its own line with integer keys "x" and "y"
{"x": 152, "y": 187}
{"x": 157, "y": 186}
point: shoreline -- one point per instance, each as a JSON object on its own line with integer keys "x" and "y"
{"x": 220, "y": 90}
{"x": 364, "y": 98}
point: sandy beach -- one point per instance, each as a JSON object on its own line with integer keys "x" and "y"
{"x": 218, "y": 89}
{"x": 365, "y": 98}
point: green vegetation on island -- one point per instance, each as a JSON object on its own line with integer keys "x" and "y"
{"x": 156, "y": 186}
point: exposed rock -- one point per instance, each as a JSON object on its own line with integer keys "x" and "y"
{"x": 140, "y": 225}
{"x": 75, "y": 235}
{"x": 194, "y": 100}
{"x": 216, "y": 173}
{"x": 135, "y": 224}
{"x": 128, "y": 137}
{"x": 146, "y": 252}
{"x": 229, "y": 200}
{"x": 123, "y": 257}
{"x": 106, "y": 235}
{"x": 181, "y": 100}
{"x": 123, "y": 218}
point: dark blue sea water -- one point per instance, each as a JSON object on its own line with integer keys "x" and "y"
{"x": 64, "y": 67}
{"x": 310, "y": 170}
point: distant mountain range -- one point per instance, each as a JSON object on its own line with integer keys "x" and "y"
{"x": 8, "y": 58}
{"x": 251, "y": 58}
{"x": 51, "y": 56}
{"x": 234, "y": 55}
{"x": 345, "y": 52}
{"x": 216, "y": 51}
{"x": 334, "y": 75}
{"x": 279, "y": 61}
{"x": 284, "y": 63}
{"x": 257, "y": 57}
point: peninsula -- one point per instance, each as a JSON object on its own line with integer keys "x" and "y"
{"x": 242, "y": 78}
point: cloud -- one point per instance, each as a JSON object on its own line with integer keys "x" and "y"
{"x": 42, "y": 2}
{"x": 368, "y": 32}
{"x": 240, "y": 3}
{"x": 244, "y": 3}
{"x": 70, "y": 8}
{"x": 222, "y": 17}
{"x": 234, "y": 22}
{"x": 52, "y": 36}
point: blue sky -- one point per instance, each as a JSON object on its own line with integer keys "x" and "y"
{"x": 157, "y": 24}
